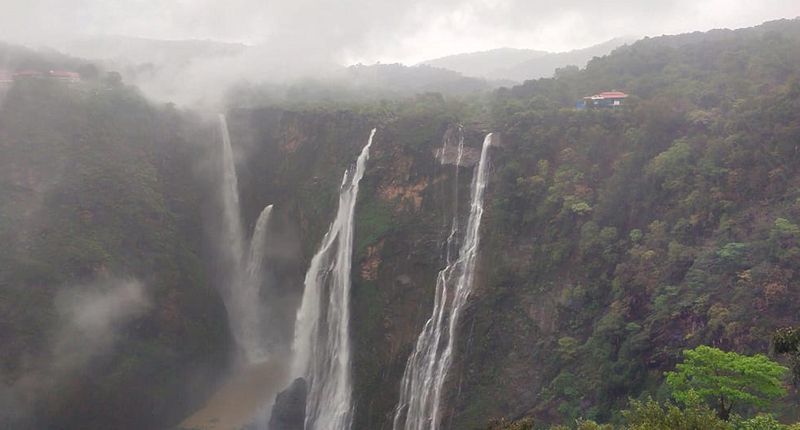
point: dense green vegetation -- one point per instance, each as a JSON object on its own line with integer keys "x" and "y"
{"x": 96, "y": 187}
{"x": 786, "y": 341}
{"x": 651, "y": 415}
{"x": 618, "y": 238}
{"x": 708, "y": 378}
{"x": 613, "y": 240}
{"x": 726, "y": 378}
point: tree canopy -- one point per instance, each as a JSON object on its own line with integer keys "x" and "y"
{"x": 787, "y": 341}
{"x": 726, "y": 378}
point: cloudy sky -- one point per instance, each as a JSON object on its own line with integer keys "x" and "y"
{"x": 382, "y": 30}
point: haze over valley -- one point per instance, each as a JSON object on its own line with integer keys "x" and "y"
{"x": 459, "y": 214}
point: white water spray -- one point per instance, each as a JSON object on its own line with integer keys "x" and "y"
{"x": 246, "y": 272}
{"x": 427, "y": 367}
{"x": 232, "y": 235}
{"x": 322, "y": 333}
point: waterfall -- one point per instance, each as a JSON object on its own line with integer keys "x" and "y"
{"x": 426, "y": 370}
{"x": 232, "y": 235}
{"x": 249, "y": 322}
{"x": 245, "y": 272}
{"x": 322, "y": 342}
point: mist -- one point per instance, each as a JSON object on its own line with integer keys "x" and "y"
{"x": 422, "y": 214}
{"x": 283, "y": 42}
{"x": 89, "y": 318}
{"x": 87, "y": 324}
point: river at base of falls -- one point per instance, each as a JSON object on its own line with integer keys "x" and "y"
{"x": 244, "y": 398}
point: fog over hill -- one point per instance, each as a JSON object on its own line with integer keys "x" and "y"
{"x": 126, "y": 50}
{"x": 272, "y": 215}
{"x": 487, "y": 64}
{"x": 200, "y": 72}
{"x": 518, "y": 65}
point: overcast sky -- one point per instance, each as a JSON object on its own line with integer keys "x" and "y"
{"x": 383, "y": 30}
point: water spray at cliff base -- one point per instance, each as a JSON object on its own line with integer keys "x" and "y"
{"x": 420, "y": 403}
{"x": 245, "y": 275}
{"x": 322, "y": 331}
{"x": 248, "y": 394}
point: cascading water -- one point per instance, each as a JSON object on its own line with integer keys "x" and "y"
{"x": 246, "y": 298}
{"x": 322, "y": 342}
{"x": 232, "y": 236}
{"x": 245, "y": 276}
{"x": 427, "y": 367}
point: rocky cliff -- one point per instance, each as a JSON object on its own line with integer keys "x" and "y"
{"x": 612, "y": 240}
{"x": 108, "y": 317}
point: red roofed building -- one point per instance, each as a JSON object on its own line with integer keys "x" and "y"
{"x": 6, "y": 78}
{"x": 27, "y": 74}
{"x": 63, "y": 75}
{"x": 604, "y": 99}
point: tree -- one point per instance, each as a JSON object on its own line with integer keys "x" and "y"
{"x": 650, "y": 415}
{"x": 759, "y": 422}
{"x": 787, "y": 341}
{"x": 504, "y": 424}
{"x": 726, "y": 378}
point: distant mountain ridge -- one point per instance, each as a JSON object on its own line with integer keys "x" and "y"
{"x": 485, "y": 63}
{"x": 518, "y": 65}
{"x": 135, "y": 50}
{"x": 420, "y": 79}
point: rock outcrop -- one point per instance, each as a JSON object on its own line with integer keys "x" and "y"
{"x": 289, "y": 410}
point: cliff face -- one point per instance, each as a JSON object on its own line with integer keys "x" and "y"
{"x": 405, "y": 205}
{"x": 612, "y": 240}
{"x": 106, "y": 308}
{"x": 295, "y": 161}
{"x": 99, "y": 188}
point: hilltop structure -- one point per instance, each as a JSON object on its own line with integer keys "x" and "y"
{"x": 610, "y": 99}
{"x": 7, "y": 77}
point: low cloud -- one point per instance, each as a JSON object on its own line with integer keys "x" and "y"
{"x": 89, "y": 319}
{"x": 291, "y": 40}
{"x": 381, "y": 29}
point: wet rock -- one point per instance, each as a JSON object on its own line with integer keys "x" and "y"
{"x": 449, "y": 155}
{"x": 289, "y": 410}
{"x": 403, "y": 280}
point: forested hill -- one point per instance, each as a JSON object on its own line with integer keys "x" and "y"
{"x": 517, "y": 65}
{"x": 620, "y": 237}
{"x": 107, "y": 317}
{"x": 612, "y": 239}
{"x": 708, "y": 69}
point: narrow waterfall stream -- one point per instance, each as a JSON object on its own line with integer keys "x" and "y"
{"x": 322, "y": 342}
{"x": 245, "y": 267}
{"x": 419, "y": 404}
{"x": 247, "y": 301}
{"x": 245, "y": 396}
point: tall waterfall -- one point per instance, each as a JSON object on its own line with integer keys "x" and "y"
{"x": 245, "y": 271}
{"x": 428, "y": 365}
{"x": 232, "y": 235}
{"x": 322, "y": 342}
{"x": 249, "y": 324}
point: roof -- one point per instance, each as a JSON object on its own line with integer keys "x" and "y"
{"x": 608, "y": 95}
{"x": 64, "y": 74}
{"x": 28, "y": 73}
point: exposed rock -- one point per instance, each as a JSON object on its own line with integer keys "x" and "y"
{"x": 409, "y": 194}
{"x": 404, "y": 280}
{"x": 293, "y": 138}
{"x": 289, "y": 410}
{"x": 449, "y": 155}
{"x": 370, "y": 266}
